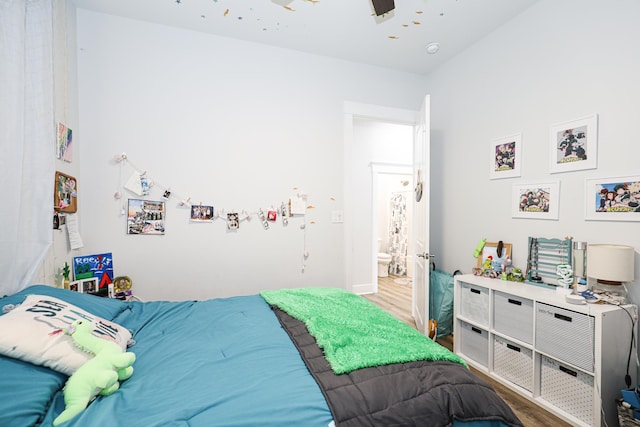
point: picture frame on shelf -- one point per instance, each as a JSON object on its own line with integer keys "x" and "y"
{"x": 612, "y": 199}
{"x": 73, "y": 286}
{"x": 574, "y": 145}
{"x": 536, "y": 200}
{"x": 506, "y": 157}
{"x": 490, "y": 249}
{"x": 85, "y": 286}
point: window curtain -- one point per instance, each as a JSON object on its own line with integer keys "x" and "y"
{"x": 27, "y": 139}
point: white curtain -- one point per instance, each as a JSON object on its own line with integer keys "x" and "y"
{"x": 27, "y": 139}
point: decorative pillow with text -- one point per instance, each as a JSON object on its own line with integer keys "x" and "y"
{"x": 31, "y": 332}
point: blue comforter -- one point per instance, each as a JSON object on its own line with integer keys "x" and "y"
{"x": 222, "y": 362}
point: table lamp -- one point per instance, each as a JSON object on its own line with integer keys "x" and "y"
{"x": 611, "y": 266}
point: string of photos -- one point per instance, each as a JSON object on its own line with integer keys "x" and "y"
{"x": 146, "y": 217}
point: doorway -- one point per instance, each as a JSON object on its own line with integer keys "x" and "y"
{"x": 371, "y": 144}
{"x": 392, "y": 187}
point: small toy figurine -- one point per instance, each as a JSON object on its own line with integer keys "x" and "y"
{"x": 486, "y": 265}
{"x": 517, "y": 275}
{"x": 507, "y": 264}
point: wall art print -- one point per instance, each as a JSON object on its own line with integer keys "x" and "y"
{"x": 612, "y": 199}
{"x": 98, "y": 266}
{"x": 145, "y": 217}
{"x": 574, "y": 145}
{"x": 63, "y": 144}
{"x": 536, "y": 200}
{"x": 506, "y": 157}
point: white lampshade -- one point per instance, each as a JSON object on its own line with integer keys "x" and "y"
{"x": 613, "y": 263}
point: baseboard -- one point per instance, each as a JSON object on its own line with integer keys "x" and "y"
{"x": 366, "y": 288}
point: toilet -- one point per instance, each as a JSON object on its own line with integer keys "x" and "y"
{"x": 383, "y": 262}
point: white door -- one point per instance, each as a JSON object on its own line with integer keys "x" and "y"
{"x": 421, "y": 141}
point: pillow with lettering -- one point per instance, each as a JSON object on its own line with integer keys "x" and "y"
{"x": 32, "y": 332}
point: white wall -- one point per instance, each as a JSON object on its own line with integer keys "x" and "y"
{"x": 238, "y": 125}
{"x": 228, "y": 123}
{"x": 556, "y": 62}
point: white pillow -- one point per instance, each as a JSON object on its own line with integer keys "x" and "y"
{"x": 26, "y": 333}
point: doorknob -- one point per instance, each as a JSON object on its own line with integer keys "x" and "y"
{"x": 426, "y": 255}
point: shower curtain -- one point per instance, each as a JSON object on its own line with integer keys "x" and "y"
{"x": 398, "y": 235}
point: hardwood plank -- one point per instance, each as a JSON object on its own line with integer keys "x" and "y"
{"x": 396, "y": 299}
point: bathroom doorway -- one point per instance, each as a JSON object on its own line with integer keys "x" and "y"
{"x": 375, "y": 136}
{"x": 392, "y": 190}
{"x": 377, "y": 139}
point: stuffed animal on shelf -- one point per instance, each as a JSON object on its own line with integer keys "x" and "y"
{"x": 487, "y": 264}
{"x": 100, "y": 375}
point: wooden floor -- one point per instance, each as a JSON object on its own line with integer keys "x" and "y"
{"x": 395, "y": 298}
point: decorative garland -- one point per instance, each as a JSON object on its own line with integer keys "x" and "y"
{"x": 140, "y": 184}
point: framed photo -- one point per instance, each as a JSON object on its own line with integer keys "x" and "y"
{"x": 65, "y": 193}
{"x": 145, "y": 217}
{"x": 612, "y": 199}
{"x": 536, "y": 200}
{"x": 73, "y": 286}
{"x": 574, "y": 145}
{"x": 490, "y": 249}
{"x": 201, "y": 213}
{"x": 86, "y": 286}
{"x": 506, "y": 157}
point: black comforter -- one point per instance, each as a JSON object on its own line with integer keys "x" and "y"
{"x": 422, "y": 393}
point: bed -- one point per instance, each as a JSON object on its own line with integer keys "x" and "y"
{"x": 240, "y": 361}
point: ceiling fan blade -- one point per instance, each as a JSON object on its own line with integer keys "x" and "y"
{"x": 383, "y": 6}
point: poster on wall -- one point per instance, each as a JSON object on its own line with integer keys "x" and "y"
{"x": 506, "y": 155}
{"x": 574, "y": 145}
{"x": 535, "y": 200}
{"x": 94, "y": 273}
{"x": 145, "y": 217}
{"x": 63, "y": 143}
{"x": 612, "y": 199}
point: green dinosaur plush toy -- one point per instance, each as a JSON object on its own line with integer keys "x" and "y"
{"x": 99, "y": 375}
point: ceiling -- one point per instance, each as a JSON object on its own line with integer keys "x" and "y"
{"x": 345, "y": 29}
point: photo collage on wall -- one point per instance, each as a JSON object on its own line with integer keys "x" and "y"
{"x": 145, "y": 217}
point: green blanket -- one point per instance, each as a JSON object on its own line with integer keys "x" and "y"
{"x": 353, "y": 332}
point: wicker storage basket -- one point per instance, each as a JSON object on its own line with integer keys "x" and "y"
{"x": 626, "y": 415}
